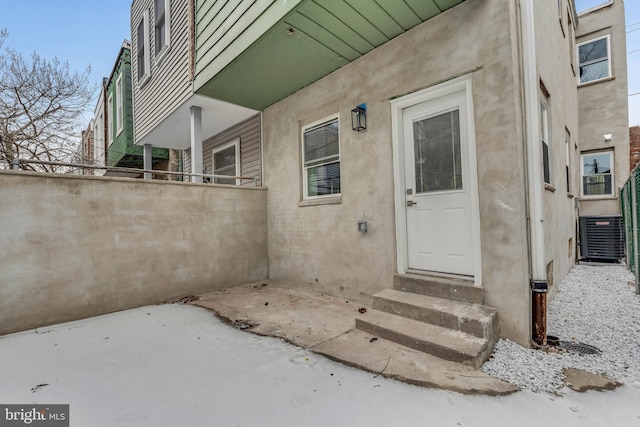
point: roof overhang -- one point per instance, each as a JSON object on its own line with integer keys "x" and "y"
{"x": 309, "y": 42}
{"x": 175, "y": 130}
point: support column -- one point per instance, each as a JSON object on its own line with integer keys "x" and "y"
{"x": 196, "y": 143}
{"x": 148, "y": 162}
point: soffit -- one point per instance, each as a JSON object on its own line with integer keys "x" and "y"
{"x": 315, "y": 39}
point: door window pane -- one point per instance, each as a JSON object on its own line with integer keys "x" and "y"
{"x": 437, "y": 153}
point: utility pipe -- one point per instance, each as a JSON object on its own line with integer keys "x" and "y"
{"x": 534, "y": 181}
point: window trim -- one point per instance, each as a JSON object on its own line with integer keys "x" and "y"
{"x": 572, "y": 41}
{"x": 162, "y": 52}
{"x": 119, "y": 91}
{"x": 310, "y": 126}
{"x": 143, "y": 78}
{"x": 545, "y": 138}
{"x": 609, "y": 59}
{"x": 612, "y": 173}
{"x": 567, "y": 147}
{"x": 110, "y": 119}
{"x": 233, "y": 143}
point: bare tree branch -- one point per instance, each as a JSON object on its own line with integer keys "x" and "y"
{"x": 41, "y": 105}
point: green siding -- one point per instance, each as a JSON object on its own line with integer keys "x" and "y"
{"x": 123, "y": 152}
{"x": 256, "y": 52}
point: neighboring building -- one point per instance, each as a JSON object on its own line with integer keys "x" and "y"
{"x": 165, "y": 103}
{"x": 121, "y": 151}
{"x": 604, "y": 111}
{"x": 87, "y": 148}
{"x": 468, "y": 170}
{"x": 100, "y": 130}
{"x": 634, "y": 146}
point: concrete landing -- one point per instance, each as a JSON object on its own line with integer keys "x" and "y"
{"x": 325, "y": 325}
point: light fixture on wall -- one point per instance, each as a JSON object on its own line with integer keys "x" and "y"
{"x": 607, "y": 137}
{"x": 359, "y": 118}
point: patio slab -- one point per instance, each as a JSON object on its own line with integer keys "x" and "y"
{"x": 325, "y": 325}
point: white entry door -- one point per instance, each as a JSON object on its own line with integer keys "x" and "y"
{"x": 438, "y": 210}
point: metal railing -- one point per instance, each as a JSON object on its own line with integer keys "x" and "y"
{"x": 147, "y": 173}
{"x": 629, "y": 198}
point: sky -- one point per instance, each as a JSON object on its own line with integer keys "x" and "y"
{"x": 90, "y": 32}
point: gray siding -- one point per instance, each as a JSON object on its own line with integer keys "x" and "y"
{"x": 170, "y": 83}
{"x": 250, "y": 159}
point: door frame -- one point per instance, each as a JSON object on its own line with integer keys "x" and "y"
{"x": 456, "y": 85}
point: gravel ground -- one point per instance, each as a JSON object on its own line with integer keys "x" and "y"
{"x": 595, "y": 305}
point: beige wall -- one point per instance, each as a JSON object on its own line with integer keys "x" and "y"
{"x": 554, "y": 50}
{"x": 319, "y": 245}
{"x": 604, "y": 105}
{"x": 75, "y": 247}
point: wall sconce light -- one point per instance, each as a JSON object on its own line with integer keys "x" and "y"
{"x": 362, "y": 226}
{"x": 359, "y": 118}
{"x": 607, "y": 137}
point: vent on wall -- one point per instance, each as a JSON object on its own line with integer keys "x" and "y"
{"x": 602, "y": 237}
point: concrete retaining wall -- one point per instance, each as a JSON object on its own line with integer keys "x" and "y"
{"x": 76, "y": 246}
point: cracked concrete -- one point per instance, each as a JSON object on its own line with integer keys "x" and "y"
{"x": 326, "y": 325}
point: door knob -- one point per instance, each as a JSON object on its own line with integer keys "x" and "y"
{"x": 411, "y": 203}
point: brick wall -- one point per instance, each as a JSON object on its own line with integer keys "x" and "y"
{"x": 634, "y": 146}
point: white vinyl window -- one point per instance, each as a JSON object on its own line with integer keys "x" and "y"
{"x": 567, "y": 158}
{"x": 119, "y": 101}
{"x": 226, "y": 161}
{"x": 594, "y": 60}
{"x": 110, "y": 119}
{"x": 162, "y": 27}
{"x": 544, "y": 136}
{"x": 321, "y": 158}
{"x": 597, "y": 174}
{"x": 143, "y": 58}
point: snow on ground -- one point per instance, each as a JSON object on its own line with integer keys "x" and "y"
{"x": 595, "y": 305}
{"x": 178, "y": 365}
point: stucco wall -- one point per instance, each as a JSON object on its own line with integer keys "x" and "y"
{"x": 319, "y": 245}
{"x": 555, "y": 45}
{"x": 604, "y": 104}
{"x": 75, "y": 247}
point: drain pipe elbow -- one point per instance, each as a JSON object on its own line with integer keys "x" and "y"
{"x": 539, "y": 290}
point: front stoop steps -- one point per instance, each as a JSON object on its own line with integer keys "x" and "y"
{"x": 440, "y": 316}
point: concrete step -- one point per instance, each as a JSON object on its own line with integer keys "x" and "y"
{"x": 440, "y": 287}
{"x": 441, "y": 342}
{"x": 473, "y": 319}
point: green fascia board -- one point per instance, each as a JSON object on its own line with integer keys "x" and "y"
{"x": 236, "y": 40}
